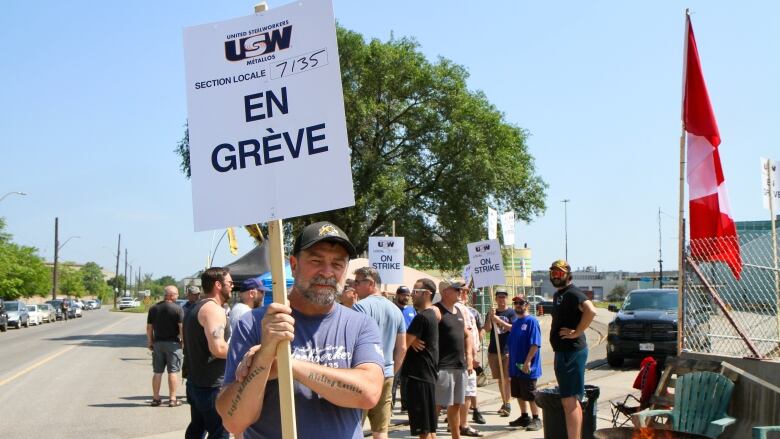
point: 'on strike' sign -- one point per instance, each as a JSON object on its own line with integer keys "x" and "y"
{"x": 268, "y": 138}
{"x": 386, "y": 255}
{"x": 487, "y": 266}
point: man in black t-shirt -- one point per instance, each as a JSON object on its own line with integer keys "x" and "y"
{"x": 163, "y": 335}
{"x": 420, "y": 366}
{"x": 571, "y": 315}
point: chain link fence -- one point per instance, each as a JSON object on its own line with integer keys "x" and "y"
{"x": 726, "y": 316}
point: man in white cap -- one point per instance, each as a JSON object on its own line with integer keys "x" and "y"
{"x": 250, "y": 296}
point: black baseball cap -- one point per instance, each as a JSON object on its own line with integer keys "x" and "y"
{"x": 402, "y": 290}
{"x": 323, "y": 231}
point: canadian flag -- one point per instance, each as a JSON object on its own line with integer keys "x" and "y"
{"x": 713, "y": 233}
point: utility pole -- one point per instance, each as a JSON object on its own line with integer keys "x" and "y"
{"x": 566, "y": 228}
{"x": 124, "y": 284}
{"x": 56, "y": 254}
{"x": 116, "y": 276}
{"x": 660, "y": 256}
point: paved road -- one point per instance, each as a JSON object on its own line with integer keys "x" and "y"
{"x": 89, "y": 377}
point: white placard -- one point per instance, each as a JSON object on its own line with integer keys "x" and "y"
{"x": 773, "y": 170}
{"x": 508, "y": 227}
{"x": 467, "y": 274}
{"x": 268, "y": 138}
{"x": 487, "y": 266}
{"x": 386, "y": 255}
{"x": 492, "y": 224}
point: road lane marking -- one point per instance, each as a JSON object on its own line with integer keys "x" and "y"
{"x": 53, "y": 356}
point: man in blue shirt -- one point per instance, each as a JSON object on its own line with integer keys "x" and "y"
{"x": 392, "y": 331}
{"x": 336, "y": 353}
{"x": 525, "y": 364}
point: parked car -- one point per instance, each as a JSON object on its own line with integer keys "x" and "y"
{"x": 47, "y": 312}
{"x": 91, "y": 304}
{"x": 3, "y": 317}
{"x": 181, "y": 302}
{"x": 646, "y": 325}
{"x": 128, "y": 302}
{"x": 35, "y": 316}
{"x": 17, "y": 314}
{"x": 57, "y": 305}
{"x": 77, "y": 310}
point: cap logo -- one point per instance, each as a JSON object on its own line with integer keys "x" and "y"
{"x": 329, "y": 230}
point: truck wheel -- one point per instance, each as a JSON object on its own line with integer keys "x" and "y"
{"x": 614, "y": 360}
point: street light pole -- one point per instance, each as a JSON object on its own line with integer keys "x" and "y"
{"x": 566, "y": 227}
{"x": 116, "y": 276}
{"x": 12, "y": 193}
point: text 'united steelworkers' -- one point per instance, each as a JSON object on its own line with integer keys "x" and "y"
{"x": 256, "y": 46}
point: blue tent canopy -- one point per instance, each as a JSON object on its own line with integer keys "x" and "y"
{"x": 265, "y": 279}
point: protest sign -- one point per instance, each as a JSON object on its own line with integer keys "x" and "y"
{"x": 487, "y": 267}
{"x": 266, "y": 117}
{"x": 770, "y": 172}
{"x": 508, "y": 228}
{"x": 492, "y": 224}
{"x": 386, "y": 255}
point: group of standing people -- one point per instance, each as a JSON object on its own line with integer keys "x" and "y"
{"x": 348, "y": 357}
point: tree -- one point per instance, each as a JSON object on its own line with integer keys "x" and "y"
{"x": 114, "y": 284}
{"x": 71, "y": 282}
{"x": 427, "y": 153}
{"x": 22, "y": 271}
{"x": 617, "y": 294}
{"x": 92, "y": 277}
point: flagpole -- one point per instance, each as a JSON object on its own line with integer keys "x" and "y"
{"x": 681, "y": 196}
{"x": 774, "y": 235}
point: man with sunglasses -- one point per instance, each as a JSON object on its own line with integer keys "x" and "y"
{"x": 205, "y": 337}
{"x": 571, "y": 315}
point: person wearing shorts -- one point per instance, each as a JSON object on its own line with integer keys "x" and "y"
{"x": 572, "y": 314}
{"x": 163, "y": 336}
{"x": 455, "y": 358}
{"x": 525, "y": 364}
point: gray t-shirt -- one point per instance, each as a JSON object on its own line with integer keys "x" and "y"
{"x": 341, "y": 339}
{"x": 390, "y": 321}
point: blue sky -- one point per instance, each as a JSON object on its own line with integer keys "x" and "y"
{"x": 94, "y": 103}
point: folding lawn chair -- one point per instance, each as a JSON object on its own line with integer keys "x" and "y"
{"x": 646, "y": 381}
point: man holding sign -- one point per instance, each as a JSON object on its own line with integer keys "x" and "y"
{"x": 337, "y": 360}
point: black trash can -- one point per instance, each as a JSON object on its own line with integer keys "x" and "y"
{"x": 553, "y": 419}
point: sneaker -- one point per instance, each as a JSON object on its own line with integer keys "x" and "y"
{"x": 522, "y": 421}
{"x": 477, "y": 418}
{"x": 505, "y": 410}
{"x": 535, "y": 425}
{"x": 468, "y": 431}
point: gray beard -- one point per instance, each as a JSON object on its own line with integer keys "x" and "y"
{"x": 320, "y": 298}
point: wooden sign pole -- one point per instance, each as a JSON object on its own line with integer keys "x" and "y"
{"x": 279, "y": 288}
{"x": 498, "y": 350}
{"x": 283, "y": 351}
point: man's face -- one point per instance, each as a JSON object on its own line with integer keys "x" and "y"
{"x": 227, "y": 287}
{"x": 348, "y": 297}
{"x": 319, "y": 272}
{"x": 193, "y": 297}
{"x": 464, "y": 295}
{"x": 558, "y": 277}
{"x": 402, "y": 299}
{"x": 520, "y": 307}
{"x": 501, "y": 301}
{"x": 419, "y": 294}
{"x": 258, "y": 299}
{"x": 363, "y": 286}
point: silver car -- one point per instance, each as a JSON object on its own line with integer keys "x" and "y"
{"x": 35, "y": 316}
{"x": 47, "y": 313}
{"x": 17, "y": 314}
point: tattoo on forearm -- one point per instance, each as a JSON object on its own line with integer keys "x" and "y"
{"x": 317, "y": 378}
{"x": 218, "y": 332}
{"x": 240, "y": 391}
